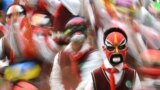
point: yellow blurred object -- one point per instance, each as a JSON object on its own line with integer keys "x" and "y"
{"x": 15, "y": 73}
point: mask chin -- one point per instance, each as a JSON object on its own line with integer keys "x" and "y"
{"x": 116, "y": 59}
{"x": 77, "y": 38}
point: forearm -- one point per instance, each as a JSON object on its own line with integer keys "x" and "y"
{"x": 55, "y": 77}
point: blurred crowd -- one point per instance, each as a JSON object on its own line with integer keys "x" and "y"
{"x": 46, "y": 43}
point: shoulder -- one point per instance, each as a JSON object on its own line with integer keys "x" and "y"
{"x": 97, "y": 71}
{"x": 95, "y": 54}
{"x": 129, "y": 69}
{"x": 94, "y": 58}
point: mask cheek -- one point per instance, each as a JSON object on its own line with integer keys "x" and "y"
{"x": 123, "y": 52}
{"x": 108, "y": 54}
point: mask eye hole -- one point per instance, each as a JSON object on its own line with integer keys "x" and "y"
{"x": 18, "y": 13}
{"x": 9, "y": 15}
{"x": 21, "y": 13}
{"x": 110, "y": 48}
{"x": 121, "y": 47}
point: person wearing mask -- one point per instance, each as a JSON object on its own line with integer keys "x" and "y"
{"x": 114, "y": 74}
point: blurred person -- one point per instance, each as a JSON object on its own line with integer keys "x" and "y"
{"x": 17, "y": 25}
{"x": 40, "y": 25}
{"x": 15, "y": 14}
{"x": 149, "y": 11}
{"x": 114, "y": 73}
{"x": 45, "y": 20}
{"x": 71, "y": 9}
{"x": 73, "y": 64}
{"x": 26, "y": 61}
{"x": 150, "y": 35}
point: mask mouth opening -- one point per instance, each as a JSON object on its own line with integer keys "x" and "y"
{"x": 116, "y": 59}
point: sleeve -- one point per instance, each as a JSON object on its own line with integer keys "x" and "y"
{"x": 55, "y": 77}
{"x": 93, "y": 61}
{"x": 137, "y": 83}
{"x": 52, "y": 5}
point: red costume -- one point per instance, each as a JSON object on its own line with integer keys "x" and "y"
{"x": 71, "y": 60}
{"x": 19, "y": 46}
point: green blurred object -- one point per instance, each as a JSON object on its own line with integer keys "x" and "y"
{"x": 156, "y": 6}
{"x": 128, "y": 84}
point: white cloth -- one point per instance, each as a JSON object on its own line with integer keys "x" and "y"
{"x": 52, "y": 5}
{"x": 137, "y": 83}
{"x": 92, "y": 62}
{"x": 1, "y": 49}
{"x": 151, "y": 21}
{"x": 44, "y": 51}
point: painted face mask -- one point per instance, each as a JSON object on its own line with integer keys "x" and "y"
{"x": 115, "y": 41}
{"x": 76, "y": 30}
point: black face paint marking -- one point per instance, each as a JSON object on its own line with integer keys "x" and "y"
{"x": 116, "y": 56}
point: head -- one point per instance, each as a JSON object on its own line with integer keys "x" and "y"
{"x": 76, "y": 30}
{"x": 115, "y": 41}
{"x": 15, "y": 13}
